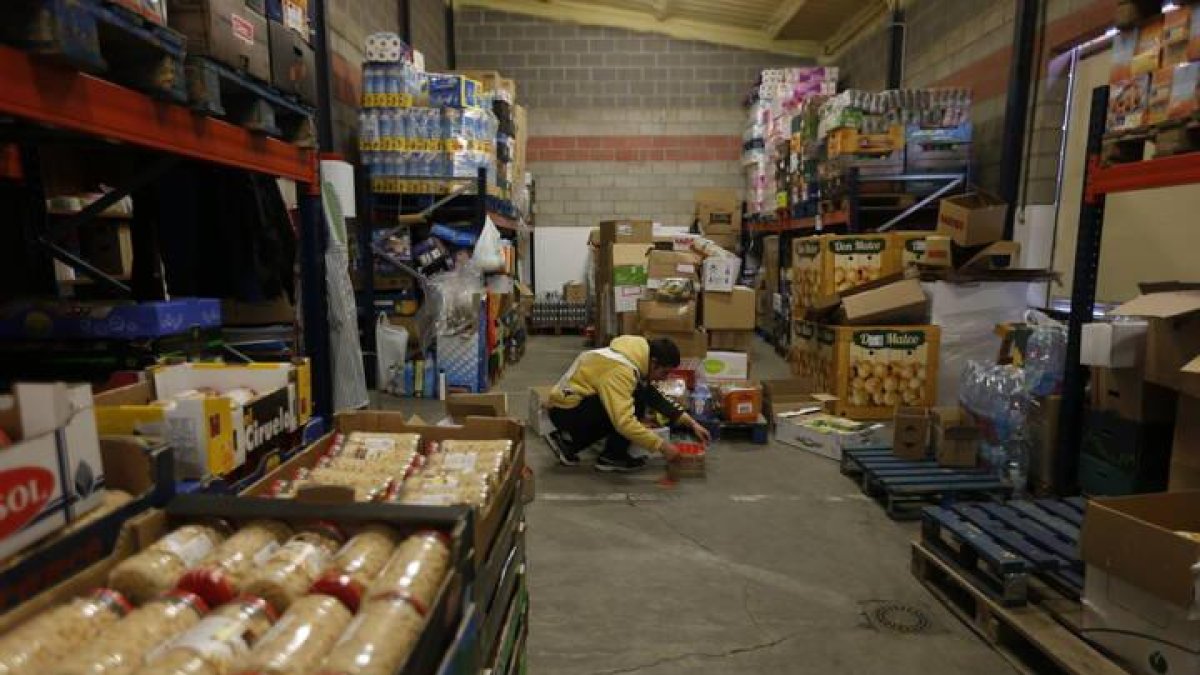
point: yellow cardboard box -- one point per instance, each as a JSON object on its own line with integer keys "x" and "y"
{"x": 871, "y": 369}
{"x": 828, "y": 264}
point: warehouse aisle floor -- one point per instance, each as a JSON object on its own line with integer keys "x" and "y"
{"x": 773, "y": 564}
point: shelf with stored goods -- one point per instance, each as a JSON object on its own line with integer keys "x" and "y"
{"x": 140, "y": 146}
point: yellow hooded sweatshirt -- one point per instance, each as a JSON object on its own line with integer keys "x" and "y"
{"x": 614, "y": 382}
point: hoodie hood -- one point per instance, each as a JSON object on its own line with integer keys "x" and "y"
{"x": 636, "y": 349}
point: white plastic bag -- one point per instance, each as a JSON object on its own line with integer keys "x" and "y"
{"x": 489, "y": 252}
{"x": 391, "y": 348}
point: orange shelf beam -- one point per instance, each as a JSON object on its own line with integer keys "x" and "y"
{"x": 1151, "y": 173}
{"x": 39, "y": 91}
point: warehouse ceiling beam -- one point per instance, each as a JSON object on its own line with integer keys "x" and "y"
{"x": 854, "y": 27}
{"x": 783, "y": 15}
{"x": 646, "y": 21}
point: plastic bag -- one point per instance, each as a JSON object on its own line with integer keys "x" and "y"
{"x": 458, "y": 293}
{"x": 489, "y": 253}
{"x": 391, "y": 347}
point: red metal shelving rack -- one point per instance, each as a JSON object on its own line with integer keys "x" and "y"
{"x": 41, "y": 91}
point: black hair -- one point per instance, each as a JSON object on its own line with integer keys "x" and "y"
{"x": 664, "y": 352}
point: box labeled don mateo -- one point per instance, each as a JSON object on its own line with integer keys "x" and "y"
{"x": 829, "y": 264}
{"x": 873, "y": 369}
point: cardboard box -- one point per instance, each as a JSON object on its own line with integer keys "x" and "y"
{"x": 629, "y": 275}
{"x": 741, "y": 401}
{"x": 52, "y": 473}
{"x": 900, "y": 302}
{"x": 1116, "y": 344}
{"x": 293, "y": 63}
{"x": 955, "y": 437}
{"x": 731, "y": 340}
{"x": 672, "y": 265}
{"x": 783, "y": 398}
{"x": 729, "y": 311}
{"x": 1136, "y": 539}
{"x": 1185, "y": 91}
{"x": 832, "y": 264}
{"x": 692, "y": 344}
{"x": 487, "y": 520}
{"x": 626, "y": 232}
{"x": 718, "y": 211}
{"x": 228, "y": 31}
{"x": 721, "y": 272}
{"x": 910, "y": 433}
{"x": 213, "y": 435}
{"x": 1128, "y": 101}
{"x": 575, "y": 292}
{"x": 829, "y": 436}
{"x": 972, "y": 219}
{"x": 720, "y": 365}
{"x": 1172, "y": 337}
{"x": 671, "y": 317}
{"x": 1161, "y": 85}
{"x": 538, "y": 417}
{"x": 1150, "y": 635}
{"x": 871, "y": 369}
{"x": 1147, "y": 54}
{"x": 912, "y": 247}
{"x": 461, "y": 406}
{"x": 729, "y": 242}
{"x": 938, "y": 251}
{"x": 1185, "y": 449}
{"x": 1125, "y": 391}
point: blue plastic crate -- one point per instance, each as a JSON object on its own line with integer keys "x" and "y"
{"x": 55, "y": 319}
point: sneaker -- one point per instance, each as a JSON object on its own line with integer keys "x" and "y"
{"x": 561, "y": 449}
{"x": 620, "y": 464}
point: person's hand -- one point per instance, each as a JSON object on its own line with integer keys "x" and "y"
{"x": 701, "y": 432}
{"x": 669, "y": 452}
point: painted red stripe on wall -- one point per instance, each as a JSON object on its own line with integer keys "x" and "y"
{"x": 633, "y": 148}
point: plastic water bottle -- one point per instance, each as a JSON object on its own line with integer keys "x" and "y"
{"x": 1016, "y": 463}
{"x": 701, "y": 400}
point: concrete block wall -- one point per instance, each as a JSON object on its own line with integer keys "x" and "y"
{"x": 969, "y": 43}
{"x": 350, "y": 21}
{"x": 427, "y": 25}
{"x": 622, "y": 123}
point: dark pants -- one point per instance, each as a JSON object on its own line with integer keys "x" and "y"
{"x": 589, "y": 422}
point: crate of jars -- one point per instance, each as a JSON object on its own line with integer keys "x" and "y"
{"x": 219, "y": 585}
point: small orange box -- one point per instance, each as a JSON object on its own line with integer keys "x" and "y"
{"x": 741, "y": 401}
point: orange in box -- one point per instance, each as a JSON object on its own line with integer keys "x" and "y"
{"x": 741, "y": 401}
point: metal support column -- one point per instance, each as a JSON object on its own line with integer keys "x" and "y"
{"x": 1016, "y": 110}
{"x": 1083, "y": 300}
{"x": 314, "y": 300}
{"x": 896, "y": 35}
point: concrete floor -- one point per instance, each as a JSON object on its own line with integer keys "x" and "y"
{"x": 773, "y": 564}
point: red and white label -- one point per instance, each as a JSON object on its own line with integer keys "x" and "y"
{"x": 23, "y": 493}
{"x": 242, "y": 28}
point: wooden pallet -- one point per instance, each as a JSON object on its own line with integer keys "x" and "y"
{"x": 1175, "y": 137}
{"x": 101, "y": 38}
{"x": 216, "y": 89}
{"x": 1001, "y": 546}
{"x": 756, "y": 432}
{"x": 904, "y": 487}
{"x": 1038, "y": 638}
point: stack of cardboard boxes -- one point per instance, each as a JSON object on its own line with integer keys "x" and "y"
{"x": 859, "y": 328}
{"x": 682, "y": 287}
{"x": 267, "y": 40}
{"x": 1145, "y": 392}
{"x": 768, "y": 285}
{"x": 719, "y": 216}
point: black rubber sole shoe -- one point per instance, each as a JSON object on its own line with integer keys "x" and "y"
{"x": 559, "y": 447}
{"x": 624, "y": 465}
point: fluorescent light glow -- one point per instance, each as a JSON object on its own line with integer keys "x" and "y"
{"x": 1169, "y": 6}
{"x": 1100, "y": 39}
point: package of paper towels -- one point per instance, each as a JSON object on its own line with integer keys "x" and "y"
{"x": 385, "y": 48}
